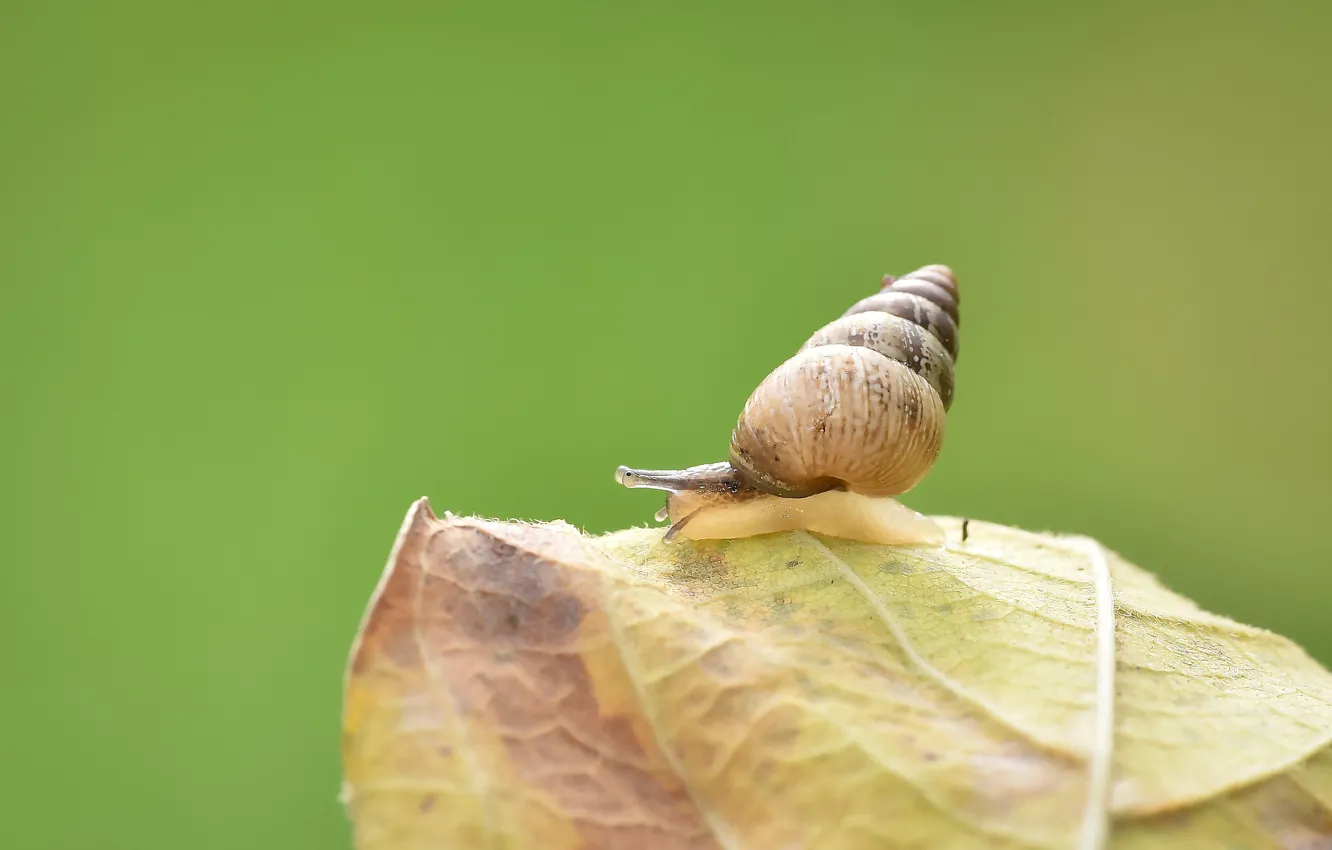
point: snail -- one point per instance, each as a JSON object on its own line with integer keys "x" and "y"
{"x": 854, "y": 418}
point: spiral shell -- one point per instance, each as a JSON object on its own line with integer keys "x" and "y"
{"x": 861, "y": 405}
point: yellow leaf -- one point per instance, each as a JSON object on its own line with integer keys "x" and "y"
{"x": 525, "y": 686}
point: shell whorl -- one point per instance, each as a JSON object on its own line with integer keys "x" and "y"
{"x": 861, "y": 405}
{"x": 927, "y": 297}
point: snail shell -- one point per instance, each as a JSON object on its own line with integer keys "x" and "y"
{"x": 858, "y": 409}
{"x": 861, "y": 405}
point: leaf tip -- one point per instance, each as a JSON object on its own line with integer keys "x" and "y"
{"x": 421, "y": 507}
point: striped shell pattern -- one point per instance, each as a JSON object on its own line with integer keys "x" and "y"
{"x": 861, "y": 405}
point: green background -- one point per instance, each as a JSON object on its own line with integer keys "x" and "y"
{"x": 271, "y": 271}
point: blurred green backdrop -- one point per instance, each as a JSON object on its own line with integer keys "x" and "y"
{"x": 273, "y": 270}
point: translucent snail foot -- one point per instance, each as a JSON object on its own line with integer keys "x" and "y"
{"x": 712, "y": 502}
{"x": 836, "y": 513}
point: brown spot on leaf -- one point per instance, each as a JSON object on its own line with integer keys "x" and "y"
{"x": 482, "y": 628}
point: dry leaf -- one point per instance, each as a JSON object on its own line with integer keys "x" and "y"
{"x": 526, "y": 686}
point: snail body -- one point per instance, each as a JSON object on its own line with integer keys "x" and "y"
{"x": 855, "y": 417}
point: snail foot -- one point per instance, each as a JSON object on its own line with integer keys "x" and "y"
{"x": 835, "y": 513}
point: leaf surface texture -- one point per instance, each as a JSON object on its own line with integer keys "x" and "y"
{"x": 527, "y": 686}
